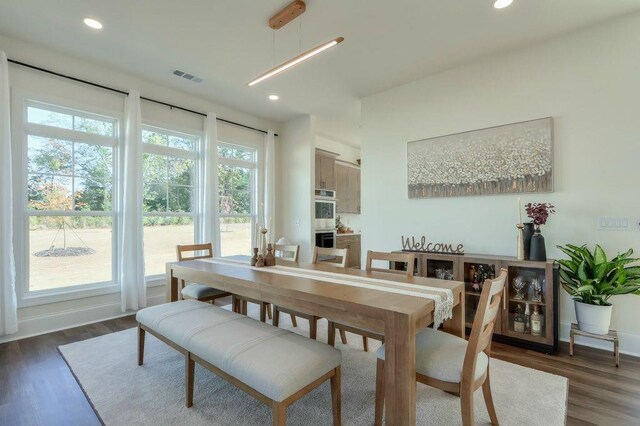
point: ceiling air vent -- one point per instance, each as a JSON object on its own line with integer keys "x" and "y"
{"x": 187, "y": 76}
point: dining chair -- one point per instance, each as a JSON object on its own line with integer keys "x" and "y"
{"x": 287, "y": 251}
{"x": 329, "y": 256}
{"x": 452, "y": 364}
{"x": 200, "y": 292}
{"x": 392, "y": 259}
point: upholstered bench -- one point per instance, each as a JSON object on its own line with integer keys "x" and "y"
{"x": 274, "y": 365}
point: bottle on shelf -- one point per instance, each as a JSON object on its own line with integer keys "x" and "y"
{"x": 536, "y": 321}
{"x": 527, "y": 319}
{"x": 518, "y": 321}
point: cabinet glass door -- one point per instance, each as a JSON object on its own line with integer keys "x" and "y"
{"x": 475, "y": 272}
{"x": 528, "y": 304}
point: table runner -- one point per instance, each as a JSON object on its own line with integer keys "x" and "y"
{"x": 442, "y": 297}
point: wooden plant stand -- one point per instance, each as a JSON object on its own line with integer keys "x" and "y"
{"x": 612, "y": 336}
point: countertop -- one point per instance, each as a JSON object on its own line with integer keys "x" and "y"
{"x": 347, "y": 234}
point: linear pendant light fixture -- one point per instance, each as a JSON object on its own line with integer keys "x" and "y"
{"x": 290, "y": 12}
{"x": 295, "y": 61}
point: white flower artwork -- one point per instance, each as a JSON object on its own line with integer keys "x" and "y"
{"x": 499, "y": 160}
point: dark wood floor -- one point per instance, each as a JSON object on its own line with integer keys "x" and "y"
{"x": 37, "y": 388}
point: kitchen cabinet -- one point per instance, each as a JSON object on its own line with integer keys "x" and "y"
{"x": 353, "y": 244}
{"x": 325, "y": 170}
{"x": 348, "y": 188}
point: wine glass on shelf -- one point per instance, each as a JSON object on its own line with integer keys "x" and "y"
{"x": 519, "y": 285}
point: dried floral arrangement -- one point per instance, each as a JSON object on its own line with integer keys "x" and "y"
{"x": 539, "y": 212}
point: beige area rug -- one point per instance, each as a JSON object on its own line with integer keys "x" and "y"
{"x": 124, "y": 394}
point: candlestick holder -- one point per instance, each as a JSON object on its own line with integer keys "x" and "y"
{"x": 520, "y": 227}
{"x": 269, "y": 259}
{"x": 263, "y": 242}
{"x": 260, "y": 261}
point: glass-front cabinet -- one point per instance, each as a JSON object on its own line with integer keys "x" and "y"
{"x": 529, "y": 314}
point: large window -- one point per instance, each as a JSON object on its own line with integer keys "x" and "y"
{"x": 69, "y": 204}
{"x": 237, "y": 192}
{"x": 169, "y": 193}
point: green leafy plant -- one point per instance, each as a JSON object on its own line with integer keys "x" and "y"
{"x": 591, "y": 278}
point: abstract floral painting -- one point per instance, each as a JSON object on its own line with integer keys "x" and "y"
{"x": 499, "y": 160}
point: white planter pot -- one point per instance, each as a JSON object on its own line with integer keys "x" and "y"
{"x": 593, "y": 318}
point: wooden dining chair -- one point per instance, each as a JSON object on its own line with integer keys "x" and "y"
{"x": 392, "y": 259}
{"x": 329, "y": 256}
{"x": 201, "y": 292}
{"x": 452, "y": 364}
{"x": 287, "y": 251}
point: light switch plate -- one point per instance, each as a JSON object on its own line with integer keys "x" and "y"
{"x": 614, "y": 223}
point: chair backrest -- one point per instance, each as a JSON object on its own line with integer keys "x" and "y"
{"x": 489, "y": 308}
{"x": 408, "y": 258}
{"x": 331, "y": 256}
{"x": 287, "y": 251}
{"x": 194, "y": 249}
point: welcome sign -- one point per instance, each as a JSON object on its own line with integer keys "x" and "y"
{"x": 410, "y": 244}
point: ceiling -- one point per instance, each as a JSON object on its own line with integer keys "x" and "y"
{"x": 228, "y": 43}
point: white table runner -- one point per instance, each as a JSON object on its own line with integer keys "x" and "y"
{"x": 442, "y": 297}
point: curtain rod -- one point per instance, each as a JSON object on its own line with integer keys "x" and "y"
{"x": 122, "y": 92}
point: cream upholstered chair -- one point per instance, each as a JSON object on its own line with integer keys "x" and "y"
{"x": 329, "y": 256}
{"x": 391, "y": 258}
{"x": 452, "y": 364}
{"x": 201, "y": 292}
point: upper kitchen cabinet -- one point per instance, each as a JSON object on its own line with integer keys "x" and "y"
{"x": 325, "y": 170}
{"x": 348, "y": 188}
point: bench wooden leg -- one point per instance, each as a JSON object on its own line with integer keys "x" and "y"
{"x": 263, "y": 312}
{"x": 141, "y": 334}
{"x": 279, "y": 414}
{"x": 269, "y": 314}
{"x": 190, "y": 366}
{"x": 379, "y": 392}
{"x": 365, "y": 343}
{"x": 293, "y": 320}
{"x": 336, "y": 397}
{"x": 313, "y": 327}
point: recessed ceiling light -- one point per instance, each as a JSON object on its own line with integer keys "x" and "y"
{"x": 274, "y": 97}
{"x": 92, "y": 23}
{"x": 501, "y": 4}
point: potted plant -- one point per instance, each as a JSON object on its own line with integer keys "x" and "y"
{"x": 591, "y": 280}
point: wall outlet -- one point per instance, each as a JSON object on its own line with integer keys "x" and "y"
{"x": 614, "y": 223}
{"x": 297, "y": 223}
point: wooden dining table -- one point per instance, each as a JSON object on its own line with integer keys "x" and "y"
{"x": 397, "y": 316}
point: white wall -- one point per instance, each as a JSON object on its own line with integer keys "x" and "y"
{"x": 64, "y": 314}
{"x": 588, "y": 82}
{"x": 295, "y": 151}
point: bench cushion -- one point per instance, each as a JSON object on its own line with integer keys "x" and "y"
{"x": 200, "y": 291}
{"x": 273, "y": 361}
{"x": 440, "y": 355}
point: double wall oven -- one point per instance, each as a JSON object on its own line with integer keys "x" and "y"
{"x": 325, "y": 218}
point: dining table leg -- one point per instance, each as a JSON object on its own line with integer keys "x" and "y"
{"x": 456, "y": 325}
{"x": 172, "y": 285}
{"x": 400, "y": 369}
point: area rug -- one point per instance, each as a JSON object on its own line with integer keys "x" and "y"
{"x": 124, "y": 394}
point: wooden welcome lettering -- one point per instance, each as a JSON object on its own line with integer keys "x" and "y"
{"x": 410, "y": 244}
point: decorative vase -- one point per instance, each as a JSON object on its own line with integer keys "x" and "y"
{"x": 594, "y": 319}
{"x": 269, "y": 259}
{"x": 527, "y": 234}
{"x": 254, "y": 258}
{"x": 537, "y": 252}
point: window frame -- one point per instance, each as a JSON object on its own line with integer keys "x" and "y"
{"x": 256, "y": 187}
{"x": 21, "y": 101}
{"x": 156, "y": 280}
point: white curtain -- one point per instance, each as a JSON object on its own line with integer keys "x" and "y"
{"x": 8, "y": 305}
{"x": 133, "y": 287}
{"x": 270, "y": 184}
{"x": 210, "y": 229}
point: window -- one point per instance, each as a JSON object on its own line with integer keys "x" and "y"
{"x": 237, "y": 191}
{"x": 69, "y": 201}
{"x": 169, "y": 191}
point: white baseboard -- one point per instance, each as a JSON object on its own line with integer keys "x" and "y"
{"x": 70, "y": 318}
{"x": 629, "y": 343}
